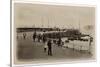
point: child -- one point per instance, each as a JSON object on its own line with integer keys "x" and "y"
{"x": 45, "y": 47}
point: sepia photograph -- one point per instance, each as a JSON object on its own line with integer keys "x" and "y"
{"x": 46, "y": 33}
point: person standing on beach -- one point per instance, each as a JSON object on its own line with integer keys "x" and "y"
{"x": 44, "y": 38}
{"x": 49, "y": 48}
{"x": 34, "y": 36}
{"x": 24, "y": 35}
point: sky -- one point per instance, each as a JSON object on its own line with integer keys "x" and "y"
{"x": 39, "y": 15}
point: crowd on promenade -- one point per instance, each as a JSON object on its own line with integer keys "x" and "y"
{"x": 44, "y": 38}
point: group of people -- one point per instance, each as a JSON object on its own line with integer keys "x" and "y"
{"x": 46, "y": 41}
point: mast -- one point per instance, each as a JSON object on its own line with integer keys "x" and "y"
{"x": 42, "y": 22}
{"x": 48, "y": 22}
{"x": 79, "y": 24}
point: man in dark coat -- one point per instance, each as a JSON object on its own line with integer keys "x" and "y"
{"x": 49, "y": 48}
{"x": 44, "y": 38}
{"x": 24, "y": 35}
{"x": 34, "y": 36}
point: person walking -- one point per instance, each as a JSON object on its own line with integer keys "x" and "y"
{"x": 49, "y": 48}
{"x": 24, "y": 35}
{"x": 34, "y": 36}
{"x": 44, "y": 38}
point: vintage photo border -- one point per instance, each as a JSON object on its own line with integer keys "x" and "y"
{"x": 12, "y": 33}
